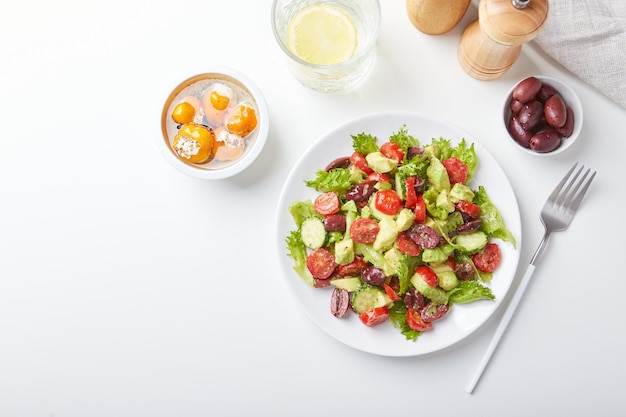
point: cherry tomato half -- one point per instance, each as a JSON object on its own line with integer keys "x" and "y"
{"x": 457, "y": 170}
{"x": 388, "y": 202}
{"x": 327, "y": 203}
{"x": 374, "y": 316}
{"x": 392, "y": 151}
{"x": 358, "y": 160}
{"x": 364, "y": 230}
{"x": 428, "y": 275}
{"x": 468, "y": 208}
{"x": 488, "y": 259}
{"x": 321, "y": 263}
{"x": 407, "y": 245}
{"x": 415, "y": 322}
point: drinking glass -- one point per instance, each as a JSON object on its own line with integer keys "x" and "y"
{"x": 344, "y": 75}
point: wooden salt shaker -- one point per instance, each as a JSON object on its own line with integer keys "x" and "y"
{"x": 491, "y": 45}
{"x": 435, "y": 17}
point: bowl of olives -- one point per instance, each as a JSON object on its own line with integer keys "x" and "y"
{"x": 214, "y": 124}
{"x": 542, "y": 115}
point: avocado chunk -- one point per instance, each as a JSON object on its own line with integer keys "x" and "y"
{"x": 344, "y": 251}
{"x": 349, "y": 284}
{"x": 437, "y": 175}
{"x": 405, "y": 219}
{"x": 444, "y": 201}
{"x": 393, "y": 257}
{"x": 380, "y": 163}
{"x": 387, "y": 234}
{"x": 447, "y": 280}
{"x": 436, "y": 294}
{"x": 461, "y": 192}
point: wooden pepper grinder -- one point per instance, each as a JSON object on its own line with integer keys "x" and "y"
{"x": 491, "y": 45}
{"x": 435, "y": 17}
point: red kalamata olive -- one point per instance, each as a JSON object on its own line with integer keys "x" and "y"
{"x": 414, "y": 151}
{"x": 335, "y": 223}
{"x": 470, "y": 226}
{"x": 342, "y": 162}
{"x": 433, "y": 311}
{"x": 555, "y": 111}
{"x": 373, "y": 276}
{"x": 339, "y": 302}
{"x": 546, "y": 92}
{"x": 527, "y": 89}
{"x": 414, "y": 299}
{"x": 545, "y": 140}
{"x": 423, "y": 235}
{"x": 517, "y": 131}
{"x": 516, "y": 106}
{"x": 530, "y": 115}
{"x": 568, "y": 128}
{"x": 361, "y": 191}
{"x": 465, "y": 271}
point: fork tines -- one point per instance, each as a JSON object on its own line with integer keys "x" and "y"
{"x": 571, "y": 196}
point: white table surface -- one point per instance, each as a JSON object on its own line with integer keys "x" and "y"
{"x": 109, "y": 306}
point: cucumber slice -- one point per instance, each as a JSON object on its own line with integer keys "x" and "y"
{"x": 472, "y": 242}
{"x": 313, "y": 233}
{"x": 369, "y": 297}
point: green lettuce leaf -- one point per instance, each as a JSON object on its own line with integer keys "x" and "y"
{"x": 302, "y": 210}
{"x": 337, "y": 180}
{"x": 492, "y": 223}
{"x": 430, "y": 198}
{"x": 470, "y": 290}
{"x": 397, "y": 317}
{"x": 364, "y": 143}
{"x": 404, "y": 140}
{"x": 297, "y": 251}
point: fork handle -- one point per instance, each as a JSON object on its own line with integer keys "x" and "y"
{"x": 504, "y": 321}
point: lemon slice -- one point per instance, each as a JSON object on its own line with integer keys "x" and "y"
{"x": 322, "y": 34}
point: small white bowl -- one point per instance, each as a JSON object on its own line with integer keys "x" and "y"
{"x": 244, "y": 91}
{"x": 571, "y": 100}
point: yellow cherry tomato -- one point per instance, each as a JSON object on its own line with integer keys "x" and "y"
{"x": 183, "y": 113}
{"x": 195, "y": 143}
{"x": 242, "y": 121}
{"x": 213, "y": 116}
{"x": 219, "y": 101}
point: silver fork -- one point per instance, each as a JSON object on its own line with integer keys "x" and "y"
{"x": 556, "y": 215}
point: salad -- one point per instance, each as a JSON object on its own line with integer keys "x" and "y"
{"x": 397, "y": 233}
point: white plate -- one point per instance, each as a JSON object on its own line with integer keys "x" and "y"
{"x": 385, "y": 339}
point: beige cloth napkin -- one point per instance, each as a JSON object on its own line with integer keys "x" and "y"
{"x": 588, "y": 37}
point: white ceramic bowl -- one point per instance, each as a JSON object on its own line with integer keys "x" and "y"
{"x": 571, "y": 100}
{"x": 244, "y": 90}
